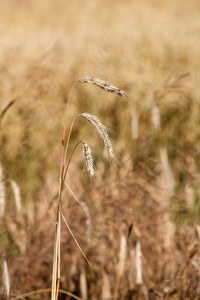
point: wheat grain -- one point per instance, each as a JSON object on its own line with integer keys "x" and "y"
{"x": 106, "y": 86}
{"x": 102, "y": 132}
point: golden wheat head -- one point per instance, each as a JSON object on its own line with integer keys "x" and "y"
{"x": 101, "y": 129}
{"x": 105, "y": 85}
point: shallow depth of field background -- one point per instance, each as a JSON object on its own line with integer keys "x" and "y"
{"x": 150, "y": 50}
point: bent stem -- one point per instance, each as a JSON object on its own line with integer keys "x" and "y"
{"x": 64, "y": 129}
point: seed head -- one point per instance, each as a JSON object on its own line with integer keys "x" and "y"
{"x": 101, "y": 129}
{"x": 88, "y": 158}
{"x": 106, "y": 86}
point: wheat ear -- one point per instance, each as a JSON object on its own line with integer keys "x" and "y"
{"x": 101, "y": 129}
{"x": 105, "y": 85}
{"x": 88, "y": 158}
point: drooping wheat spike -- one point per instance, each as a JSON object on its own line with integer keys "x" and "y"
{"x": 101, "y": 130}
{"x": 105, "y": 85}
{"x": 88, "y": 158}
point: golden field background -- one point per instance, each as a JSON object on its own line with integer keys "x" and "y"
{"x": 150, "y": 199}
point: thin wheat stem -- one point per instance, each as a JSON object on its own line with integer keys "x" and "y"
{"x": 57, "y": 288}
{"x": 2, "y": 193}
{"x": 56, "y": 260}
{"x": 64, "y": 129}
{"x": 68, "y": 163}
{"x": 57, "y": 254}
{"x": 67, "y": 144}
{"x": 53, "y": 288}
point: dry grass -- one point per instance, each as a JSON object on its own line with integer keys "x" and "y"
{"x": 151, "y": 51}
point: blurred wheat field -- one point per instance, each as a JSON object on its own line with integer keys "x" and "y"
{"x": 143, "y": 237}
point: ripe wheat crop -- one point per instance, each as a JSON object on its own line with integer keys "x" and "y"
{"x": 65, "y": 161}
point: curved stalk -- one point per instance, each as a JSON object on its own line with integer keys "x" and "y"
{"x": 64, "y": 129}
{"x": 68, "y": 138}
{"x": 68, "y": 163}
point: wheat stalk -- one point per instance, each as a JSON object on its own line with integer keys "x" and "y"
{"x": 64, "y": 165}
{"x": 2, "y": 193}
